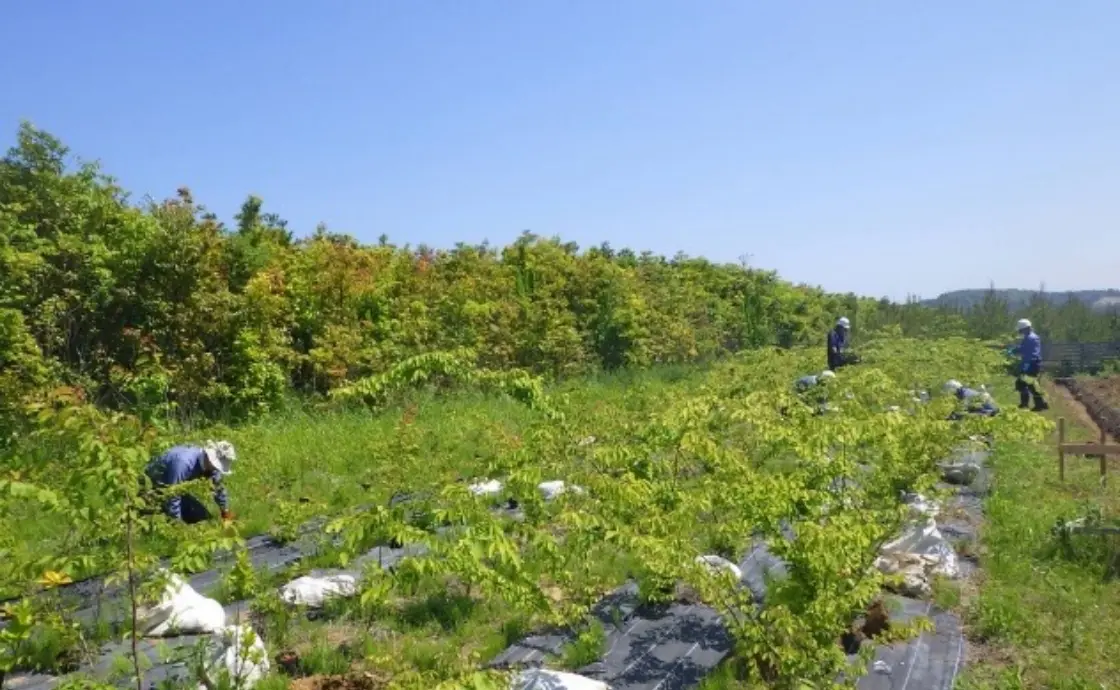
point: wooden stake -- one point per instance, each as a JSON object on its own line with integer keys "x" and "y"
{"x": 1061, "y": 449}
{"x": 1104, "y": 458}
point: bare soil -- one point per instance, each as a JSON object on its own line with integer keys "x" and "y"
{"x": 1106, "y": 388}
{"x": 1101, "y": 400}
{"x": 357, "y": 681}
{"x": 1076, "y": 409}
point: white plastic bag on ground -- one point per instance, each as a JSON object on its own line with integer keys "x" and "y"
{"x": 314, "y": 591}
{"x": 544, "y": 679}
{"x": 550, "y": 490}
{"x": 490, "y": 488}
{"x": 238, "y": 654}
{"x": 718, "y": 563}
{"x": 927, "y": 540}
{"x": 918, "y": 555}
{"x": 914, "y": 569}
{"x": 181, "y": 611}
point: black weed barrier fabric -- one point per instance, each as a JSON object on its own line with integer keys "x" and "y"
{"x": 666, "y": 647}
{"x": 674, "y": 647}
{"x": 264, "y": 553}
{"x": 931, "y": 661}
{"x": 164, "y": 658}
{"x": 99, "y": 602}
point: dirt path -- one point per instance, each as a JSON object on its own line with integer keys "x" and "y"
{"x": 1076, "y": 409}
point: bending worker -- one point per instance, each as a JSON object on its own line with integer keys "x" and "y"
{"x": 838, "y": 343}
{"x": 1030, "y": 366}
{"x": 976, "y": 401}
{"x": 180, "y": 464}
{"x": 806, "y": 382}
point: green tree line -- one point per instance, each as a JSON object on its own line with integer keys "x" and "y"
{"x": 1071, "y": 321}
{"x": 159, "y": 306}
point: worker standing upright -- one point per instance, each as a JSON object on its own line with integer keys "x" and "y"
{"x": 838, "y": 343}
{"x": 1030, "y": 366}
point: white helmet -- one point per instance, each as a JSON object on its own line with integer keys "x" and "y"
{"x": 827, "y": 374}
{"x": 952, "y": 386}
{"x": 221, "y": 455}
{"x": 843, "y": 322}
{"x": 1023, "y": 325}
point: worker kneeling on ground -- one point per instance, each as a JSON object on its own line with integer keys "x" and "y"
{"x": 976, "y": 401}
{"x": 1030, "y": 367}
{"x": 813, "y": 389}
{"x": 812, "y": 380}
{"x": 213, "y": 461}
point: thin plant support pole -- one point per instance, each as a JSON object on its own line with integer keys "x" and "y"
{"x": 132, "y": 601}
{"x": 1061, "y": 448}
{"x": 1104, "y": 458}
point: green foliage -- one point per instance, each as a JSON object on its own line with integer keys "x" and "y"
{"x": 122, "y": 322}
{"x": 445, "y": 370}
{"x": 101, "y": 507}
{"x": 161, "y": 309}
{"x": 586, "y": 649}
{"x": 670, "y": 465}
{"x": 696, "y": 470}
{"x": 324, "y": 658}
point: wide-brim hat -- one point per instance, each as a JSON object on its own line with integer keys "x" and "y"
{"x": 221, "y": 455}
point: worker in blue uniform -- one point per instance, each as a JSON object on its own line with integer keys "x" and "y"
{"x": 212, "y": 460}
{"x": 838, "y": 343}
{"x": 975, "y": 401}
{"x": 1030, "y": 367}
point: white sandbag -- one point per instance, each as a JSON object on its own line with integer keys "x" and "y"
{"x": 550, "y": 490}
{"x": 718, "y": 563}
{"x": 490, "y": 488}
{"x": 181, "y": 611}
{"x": 915, "y": 571}
{"x": 919, "y": 554}
{"x": 544, "y": 679}
{"x": 314, "y": 591}
{"x": 927, "y": 540}
{"x": 243, "y": 667}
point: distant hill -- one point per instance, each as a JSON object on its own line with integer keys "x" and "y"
{"x": 1097, "y": 299}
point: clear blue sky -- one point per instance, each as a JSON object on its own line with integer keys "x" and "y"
{"x": 877, "y": 147}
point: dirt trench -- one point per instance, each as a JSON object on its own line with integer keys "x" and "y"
{"x": 1089, "y": 408}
